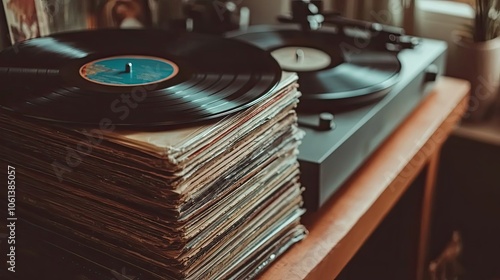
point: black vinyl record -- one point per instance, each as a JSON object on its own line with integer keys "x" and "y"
{"x": 133, "y": 77}
{"x": 334, "y": 71}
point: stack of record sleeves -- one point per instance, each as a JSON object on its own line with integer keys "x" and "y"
{"x": 218, "y": 200}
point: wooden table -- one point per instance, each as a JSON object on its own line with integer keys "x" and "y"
{"x": 339, "y": 229}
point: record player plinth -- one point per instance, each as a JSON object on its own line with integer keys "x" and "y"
{"x": 329, "y": 157}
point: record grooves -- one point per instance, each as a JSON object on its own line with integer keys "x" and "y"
{"x": 134, "y": 77}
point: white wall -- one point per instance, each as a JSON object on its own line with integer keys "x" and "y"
{"x": 439, "y": 20}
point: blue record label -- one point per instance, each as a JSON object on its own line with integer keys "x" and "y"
{"x": 129, "y": 70}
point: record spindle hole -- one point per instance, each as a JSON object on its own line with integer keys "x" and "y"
{"x": 299, "y": 55}
{"x": 128, "y": 68}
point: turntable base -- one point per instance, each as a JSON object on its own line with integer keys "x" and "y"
{"x": 329, "y": 157}
{"x": 343, "y": 224}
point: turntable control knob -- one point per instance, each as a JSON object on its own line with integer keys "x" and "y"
{"x": 431, "y": 73}
{"x": 128, "y": 68}
{"x": 326, "y": 121}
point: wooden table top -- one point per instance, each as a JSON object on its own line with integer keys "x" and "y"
{"x": 339, "y": 229}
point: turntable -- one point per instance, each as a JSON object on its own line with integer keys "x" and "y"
{"x": 329, "y": 157}
{"x": 359, "y": 81}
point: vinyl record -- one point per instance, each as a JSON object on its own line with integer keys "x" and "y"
{"x": 133, "y": 77}
{"x": 334, "y": 71}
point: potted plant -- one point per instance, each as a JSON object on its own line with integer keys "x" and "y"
{"x": 478, "y": 57}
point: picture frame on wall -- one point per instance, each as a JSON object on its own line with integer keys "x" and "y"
{"x": 23, "y": 19}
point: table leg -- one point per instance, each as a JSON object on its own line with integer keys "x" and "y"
{"x": 425, "y": 220}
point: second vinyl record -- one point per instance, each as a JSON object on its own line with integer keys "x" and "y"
{"x": 334, "y": 71}
{"x": 133, "y": 77}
